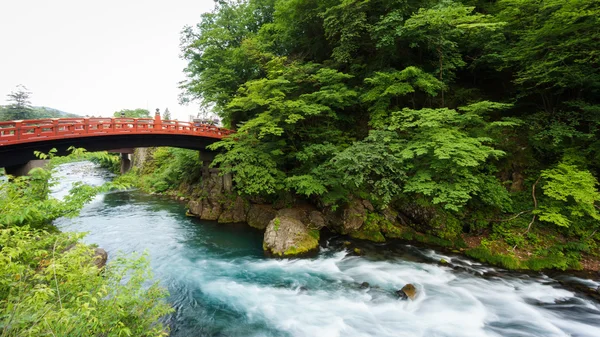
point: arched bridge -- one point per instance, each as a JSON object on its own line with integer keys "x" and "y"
{"x": 19, "y": 139}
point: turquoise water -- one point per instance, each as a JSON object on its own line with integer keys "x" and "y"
{"x": 222, "y": 285}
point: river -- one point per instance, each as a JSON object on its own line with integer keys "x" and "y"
{"x": 222, "y": 285}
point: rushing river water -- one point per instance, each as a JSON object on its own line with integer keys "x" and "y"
{"x": 222, "y": 285}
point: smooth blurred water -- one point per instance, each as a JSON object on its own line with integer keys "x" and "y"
{"x": 222, "y": 285}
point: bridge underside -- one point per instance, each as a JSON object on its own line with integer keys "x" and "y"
{"x": 20, "y": 154}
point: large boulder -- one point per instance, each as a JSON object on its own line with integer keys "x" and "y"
{"x": 287, "y": 236}
{"x": 234, "y": 211}
{"x": 259, "y": 216}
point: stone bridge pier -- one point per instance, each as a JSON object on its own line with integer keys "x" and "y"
{"x": 22, "y": 170}
{"x": 212, "y": 174}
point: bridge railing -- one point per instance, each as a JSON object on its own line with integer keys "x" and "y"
{"x": 45, "y": 129}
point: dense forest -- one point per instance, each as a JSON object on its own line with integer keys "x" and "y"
{"x": 485, "y": 113}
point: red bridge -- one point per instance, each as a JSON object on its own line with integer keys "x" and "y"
{"x": 19, "y": 139}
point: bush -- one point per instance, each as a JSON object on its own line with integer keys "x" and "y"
{"x": 49, "y": 285}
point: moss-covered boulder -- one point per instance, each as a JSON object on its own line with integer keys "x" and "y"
{"x": 287, "y": 236}
{"x": 259, "y": 216}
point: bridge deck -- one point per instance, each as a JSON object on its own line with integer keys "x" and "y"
{"x": 39, "y": 130}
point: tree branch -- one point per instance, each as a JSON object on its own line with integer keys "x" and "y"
{"x": 535, "y": 204}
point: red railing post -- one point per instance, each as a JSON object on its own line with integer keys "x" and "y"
{"x": 86, "y": 125}
{"x": 18, "y": 129}
{"x": 55, "y": 126}
{"x": 157, "y": 121}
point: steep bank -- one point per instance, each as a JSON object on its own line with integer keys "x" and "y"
{"x": 292, "y": 224}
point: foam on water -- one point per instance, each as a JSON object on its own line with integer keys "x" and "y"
{"x": 448, "y": 304}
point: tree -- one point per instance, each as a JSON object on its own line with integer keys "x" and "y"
{"x": 166, "y": 114}
{"x": 136, "y": 113}
{"x": 19, "y": 103}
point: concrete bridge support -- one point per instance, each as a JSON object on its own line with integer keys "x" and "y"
{"x": 22, "y": 170}
{"x": 125, "y": 163}
{"x": 207, "y": 158}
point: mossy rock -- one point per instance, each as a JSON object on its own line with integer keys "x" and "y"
{"x": 285, "y": 236}
{"x": 307, "y": 244}
{"x": 370, "y": 229}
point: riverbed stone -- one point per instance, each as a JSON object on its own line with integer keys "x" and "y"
{"x": 407, "y": 292}
{"x": 260, "y": 215}
{"x": 234, "y": 211}
{"x": 100, "y": 257}
{"x": 287, "y": 236}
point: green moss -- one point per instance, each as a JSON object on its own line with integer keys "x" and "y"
{"x": 357, "y": 251}
{"x": 277, "y": 223}
{"x": 446, "y": 226}
{"x": 485, "y": 255}
{"x": 308, "y": 243}
{"x": 314, "y": 233}
{"x": 390, "y": 231}
{"x": 370, "y": 229}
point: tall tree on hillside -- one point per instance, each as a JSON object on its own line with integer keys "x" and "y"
{"x": 166, "y": 114}
{"x": 19, "y": 103}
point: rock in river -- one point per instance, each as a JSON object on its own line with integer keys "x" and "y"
{"x": 286, "y": 236}
{"x": 408, "y": 291}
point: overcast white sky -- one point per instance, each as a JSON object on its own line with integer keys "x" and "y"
{"x": 96, "y": 57}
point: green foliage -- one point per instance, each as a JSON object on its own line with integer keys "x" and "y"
{"x": 385, "y": 87}
{"x": 441, "y": 29}
{"x": 110, "y": 161}
{"x": 49, "y": 283}
{"x": 169, "y": 168}
{"x": 132, "y": 113}
{"x": 51, "y": 287}
{"x": 453, "y": 103}
{"x": 26, "y": 200}
{"x": 571, "y": 193}
{"x": 436, "y": 153}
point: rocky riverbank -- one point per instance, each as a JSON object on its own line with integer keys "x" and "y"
{"x": 293, "y": 226}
